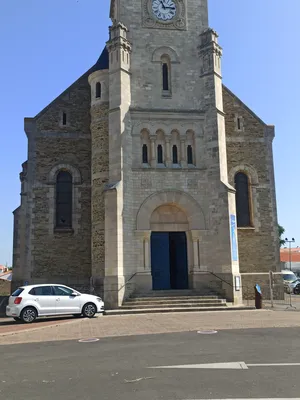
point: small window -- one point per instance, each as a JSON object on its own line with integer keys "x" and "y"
{"x": 64, "y": 200}
{"x": 98, "y": 90}
{"x": 145, "y": 154}
{"x": 17, "y": 292}
{"x": 62, "y": 291}
{"x": 165, "y": 76}
{"x": 64, "y": 118}
{"x": 159, "y": 154}
{"x": 175, "y": 154}
{"x": 189, "y": 154}
{"x": 239, "y": 123}
{"x": 242, "y": 200}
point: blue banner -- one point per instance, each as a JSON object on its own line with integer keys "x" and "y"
{"x": 234, "y": 248}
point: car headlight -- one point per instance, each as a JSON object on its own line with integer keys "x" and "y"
{"x": 99, "y": 299}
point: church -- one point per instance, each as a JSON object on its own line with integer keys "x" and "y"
{"x": 147, "y": 173}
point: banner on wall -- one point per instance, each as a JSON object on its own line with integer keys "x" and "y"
{"x": 234, "y": 248}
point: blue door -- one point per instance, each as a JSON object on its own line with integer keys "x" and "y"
{"x": 160, "y": 261}
{"x": 178, "y": 260}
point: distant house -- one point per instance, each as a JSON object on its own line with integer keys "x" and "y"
{"x": 3, "y": 269}
{"x": 290, "y": 259}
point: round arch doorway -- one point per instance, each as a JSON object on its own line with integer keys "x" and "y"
{"x": 169, "y": 256}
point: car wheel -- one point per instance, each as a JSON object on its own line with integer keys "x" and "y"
{"x": 297, "y": 290}
{"x": 89, "y": 310}
{"x": 28, "y": 315}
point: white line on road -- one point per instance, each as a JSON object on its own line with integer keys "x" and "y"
{"x": 230, "y": 365}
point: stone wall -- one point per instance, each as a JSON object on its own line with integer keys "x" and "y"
{"x": 62, "y": 256}
{"x": 100, "y": 161}
{"x": 249, "y": 149}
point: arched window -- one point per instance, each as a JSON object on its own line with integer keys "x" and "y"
{"x": 242, "y": 200}
{"x": 98, "y": 90}
{"x": 189, "y": 154}
{"x": 175, "y": 154}
{"x": 160, "y": 154}
{"x": 165, "y": 76}
{"x": 64, "y": 200}
{"x": 145, "y": 154}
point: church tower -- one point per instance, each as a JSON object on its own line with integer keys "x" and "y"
{"x": 170, "y": 220}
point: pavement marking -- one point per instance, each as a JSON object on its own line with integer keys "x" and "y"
{"x": 230, "y": 365}
{"x": 88, "y": 340}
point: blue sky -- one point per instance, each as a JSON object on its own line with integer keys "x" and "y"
{"x": 48, "y": 44}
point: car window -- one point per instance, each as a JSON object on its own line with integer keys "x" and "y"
{"x": 42, "y": 291}
{"x": 62, "y": 291}
{"x": 17, "y": 292}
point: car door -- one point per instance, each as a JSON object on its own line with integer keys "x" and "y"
{"x": 44, "y": 299}
{"x": 65, "y": 302}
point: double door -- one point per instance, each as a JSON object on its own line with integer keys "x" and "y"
{"x": 169, "y": 260}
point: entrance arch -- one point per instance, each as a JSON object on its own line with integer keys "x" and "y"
{"x": 182, "y": 200}
{"x": 171, "y": 218}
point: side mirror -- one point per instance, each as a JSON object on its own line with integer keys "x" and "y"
{"x": 74, "y": 294}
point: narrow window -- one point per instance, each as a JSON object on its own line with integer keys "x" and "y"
{"x": 189, "y": 154}
{"x": 242, "y": 200}
{"x": 165, "y": 76}
{"x": 64, "y": 119}
{"x": 175, "y": 154}
{"x": 239, "y": 124}
{"x": 145, "y": 154}
{"x": 98, "y": 90}
{"x": 159, "y": 154}
{"x": 64, "y": 200}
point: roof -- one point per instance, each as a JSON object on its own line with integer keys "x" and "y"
{"x": 43, "y": 284}
{"x": 7, "y": 276}
{"x": 285, "y": 255}
{"x": 102, "y": 62}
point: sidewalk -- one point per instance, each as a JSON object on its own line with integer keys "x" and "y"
{"x": 128, "y": 325}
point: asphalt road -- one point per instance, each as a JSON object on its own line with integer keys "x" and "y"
{"x": 119, "y": 368}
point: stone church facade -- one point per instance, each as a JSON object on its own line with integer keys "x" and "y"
{"x": 147, "y": 172}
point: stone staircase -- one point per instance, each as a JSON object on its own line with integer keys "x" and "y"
{"x": 172, "y": 301}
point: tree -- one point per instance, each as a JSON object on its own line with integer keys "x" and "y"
{"x": 281, "y": 231}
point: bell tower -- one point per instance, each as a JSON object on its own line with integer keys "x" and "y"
{"x": 166, "y": 135}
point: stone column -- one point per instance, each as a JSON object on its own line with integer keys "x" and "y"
{"x": 153, "y": 151}
{"x": 168, "y": 152}
{"x": 195, "y": 240}
{"x": 183, "y": 151}
{"x": 147, "y": 251}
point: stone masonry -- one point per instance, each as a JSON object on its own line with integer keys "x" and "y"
{"x": 96, "y": 131}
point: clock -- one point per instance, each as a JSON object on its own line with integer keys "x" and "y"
{"x": 164, "y": 10}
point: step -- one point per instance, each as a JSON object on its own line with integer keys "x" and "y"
{"x": 171, "y": 299}
{"x": 171, "y": 305}
{"x": 174, "y": 293}
{"x": 174, "y": 310}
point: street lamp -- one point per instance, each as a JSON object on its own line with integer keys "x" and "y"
{"x": 290, "y": 251}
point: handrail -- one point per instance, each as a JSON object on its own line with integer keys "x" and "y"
{"x": 132, "y": 276}
{"x": 221, "y": 279}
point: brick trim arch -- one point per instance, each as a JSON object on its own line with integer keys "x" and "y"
{"x": 247, "y": 169}
{"x": 163, "y": 51}
{"x": 182, "y": 200}
{"x": 64, "y": 167}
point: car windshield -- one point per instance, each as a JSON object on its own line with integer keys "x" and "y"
{"x": 17, "y": 292}
{"x": 289, "y": 277}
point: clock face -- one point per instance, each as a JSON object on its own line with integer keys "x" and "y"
{"x": 164, "y": 10}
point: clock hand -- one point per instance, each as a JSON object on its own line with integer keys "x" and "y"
{"x": 163, "y": 4}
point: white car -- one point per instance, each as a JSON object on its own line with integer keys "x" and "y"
{"x": 29, "y": 302}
